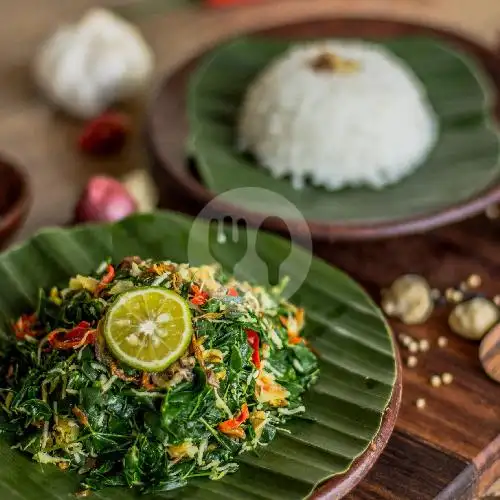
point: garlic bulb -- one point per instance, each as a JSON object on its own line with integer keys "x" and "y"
{"x": 85, "y": 67}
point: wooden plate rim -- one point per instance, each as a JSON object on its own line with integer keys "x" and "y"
{"x": 15, "y": 215}
{"x": 340, "y": 485}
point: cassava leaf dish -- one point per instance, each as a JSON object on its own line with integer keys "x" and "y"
{"x": 158, "y": 434}
{"x": 463, "y": 164}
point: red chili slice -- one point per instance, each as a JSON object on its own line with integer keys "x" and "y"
{"x": 254, "y": 341}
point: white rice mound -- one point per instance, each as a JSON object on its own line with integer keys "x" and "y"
{"x": 370, "y": 128}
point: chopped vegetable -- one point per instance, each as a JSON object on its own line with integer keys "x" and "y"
{"x": 23, "y": 327}
{"x": 229, "y": 426}
{"x": 149, "y": 374}
{"x": 77, "y": 337}
{"x": 253, "y": 340}
{"x": 198, "y": 296}
{"x": 106, "y": 279}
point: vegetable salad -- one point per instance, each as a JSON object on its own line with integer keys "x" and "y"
{"x": 67, "y": 400}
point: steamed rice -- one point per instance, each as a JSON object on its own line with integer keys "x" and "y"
{"x": 370, "y": 125}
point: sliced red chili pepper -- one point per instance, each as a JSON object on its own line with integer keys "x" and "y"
{"x": 199, "y": 297}
{"x": 232, "y": 292}
{"x": 234, "y": 423}
{"x": 77, "y": 337}
{"x": 23, "y": 327}
{"x": 254, "y": 341}
{"x": 105, "y": 280}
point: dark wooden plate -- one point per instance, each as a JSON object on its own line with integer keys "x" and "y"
{"x": 167, "y": 130}
{"x": 15, "y": 199}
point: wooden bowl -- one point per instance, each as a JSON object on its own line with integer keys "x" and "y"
{"x": 167, "y": 130}
{"x": 15, "y": 199}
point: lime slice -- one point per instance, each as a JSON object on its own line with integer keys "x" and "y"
{"x": 148, "y": 328}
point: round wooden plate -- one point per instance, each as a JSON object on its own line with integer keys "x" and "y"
{"x": 167, "y": 131}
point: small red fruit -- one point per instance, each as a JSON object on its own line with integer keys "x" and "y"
{"x": 106, "y": 134}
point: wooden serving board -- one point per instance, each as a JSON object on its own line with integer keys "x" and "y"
{"x": 450, "y": 450}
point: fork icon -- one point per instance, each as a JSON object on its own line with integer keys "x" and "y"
{"x": 228, "y": 243}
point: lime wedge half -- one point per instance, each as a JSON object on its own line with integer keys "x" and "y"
{"x": 148, "y": 328}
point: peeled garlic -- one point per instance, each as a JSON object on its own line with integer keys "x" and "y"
{"x": 473, "y": 318}
{"x": 409, "y": 299}
{"x": 85, "y": 67}
{"x": 141, "y": 186}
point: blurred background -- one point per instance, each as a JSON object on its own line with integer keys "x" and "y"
{"x": 44, "y": 141}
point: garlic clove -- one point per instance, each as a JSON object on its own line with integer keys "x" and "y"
{"x": 409, "y": 299}
{"x": 142, "y": 187}
{"x": 474, "y": 318}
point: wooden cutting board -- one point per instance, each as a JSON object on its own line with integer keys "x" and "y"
{"x": 449, "y": 450}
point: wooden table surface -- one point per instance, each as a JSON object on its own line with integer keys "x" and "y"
{"x": 449, "y": 449}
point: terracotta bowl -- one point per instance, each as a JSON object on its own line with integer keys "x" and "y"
{"x": 181, "y": 188}
{"x": 15, "y": 199}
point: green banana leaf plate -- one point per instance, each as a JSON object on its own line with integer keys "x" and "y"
{"x": 347, "y": 425}
{"x": 459, "y": 178}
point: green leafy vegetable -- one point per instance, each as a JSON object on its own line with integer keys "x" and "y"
{"x": 68, "y": 402}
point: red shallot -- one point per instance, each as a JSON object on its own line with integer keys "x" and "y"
{"x": 104, "y": 200}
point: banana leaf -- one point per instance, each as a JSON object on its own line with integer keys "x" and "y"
{"x": 463, "y": 163}
{"x": 344, "y": 409}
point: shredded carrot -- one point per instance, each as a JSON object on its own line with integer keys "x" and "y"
{"x": 105, "y": 280}
{"x": 161, "y": 268}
